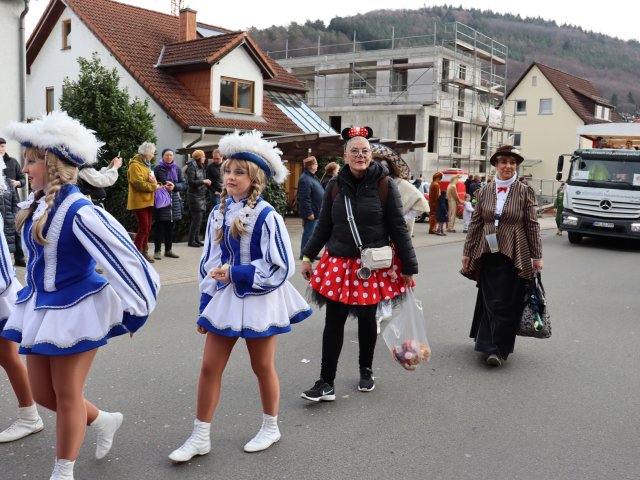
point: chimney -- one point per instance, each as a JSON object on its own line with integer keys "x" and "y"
{"x": 187, "y": 30}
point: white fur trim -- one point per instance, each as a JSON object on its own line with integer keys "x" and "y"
{"x": 57, "y": 130}
{"x": 253, "y": 142}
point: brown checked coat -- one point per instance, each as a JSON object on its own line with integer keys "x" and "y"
{"x": 518, "y": 232}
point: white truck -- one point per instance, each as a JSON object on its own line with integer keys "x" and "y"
{"x": 602, "y": 197}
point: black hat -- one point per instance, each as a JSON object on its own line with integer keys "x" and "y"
{"x": 2, "y": 140}
{"x": 506, "y": 151}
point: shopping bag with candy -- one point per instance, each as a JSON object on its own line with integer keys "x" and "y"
{"x": 406, "y": 334}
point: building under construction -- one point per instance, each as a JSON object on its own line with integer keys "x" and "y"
{"x": 445, "y": 89}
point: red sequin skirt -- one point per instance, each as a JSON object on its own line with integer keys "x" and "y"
{"x": 335, "y": 278}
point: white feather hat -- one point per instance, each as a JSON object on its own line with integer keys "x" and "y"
{"x": 252, "y": 147}
{"x": 59, "y": 133}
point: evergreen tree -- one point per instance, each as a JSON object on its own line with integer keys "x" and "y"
{"x": 97, "y": 101}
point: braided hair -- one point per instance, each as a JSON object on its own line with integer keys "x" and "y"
{"x": 59, "y": 173}
{"x": 258, "y": 182}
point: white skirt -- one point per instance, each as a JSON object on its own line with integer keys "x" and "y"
{"x": 254, "y": 316}
{"x": 8, "y": 302}
{"x": 82, "y": 327}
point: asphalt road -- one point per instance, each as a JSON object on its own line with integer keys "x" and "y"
{"x": 563, "y": 408}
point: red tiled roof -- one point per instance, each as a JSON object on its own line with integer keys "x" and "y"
{"x": 136, "y": 40}
{"x": 580, "y": 94}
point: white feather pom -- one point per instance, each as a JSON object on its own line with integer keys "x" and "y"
{"x": 58, "y": 131}
{"x": 252, "y": 142}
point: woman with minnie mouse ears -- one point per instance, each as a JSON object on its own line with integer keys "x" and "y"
{"x": 67, "y": 310}
{"x": 338, "y": 281}
{"x": 244, "y": 270}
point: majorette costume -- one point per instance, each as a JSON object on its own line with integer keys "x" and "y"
{"x": 9, "y": 284}
{"x": 259, "y": 301}
{"x": 66, "y": 306}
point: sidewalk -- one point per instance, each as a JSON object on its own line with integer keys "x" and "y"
{"x": 185, "y": 269}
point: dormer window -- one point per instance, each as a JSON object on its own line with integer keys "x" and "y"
{"x": 66, "y": 34}
{"x": 236, "y": 95}
{"x": 603, "y": 113}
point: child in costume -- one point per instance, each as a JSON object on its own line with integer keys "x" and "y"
{"x": 67, "y": 310}
{"x": 467, "y": 213}
{"x": 28, "y": 421}
{"x": 244, "y": 270}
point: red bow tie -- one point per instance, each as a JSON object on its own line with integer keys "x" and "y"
{"x": 502, "y": 189}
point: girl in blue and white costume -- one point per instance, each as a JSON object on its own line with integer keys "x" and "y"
{"x": 246, "y": 263}
{"x": 66, "y": 310}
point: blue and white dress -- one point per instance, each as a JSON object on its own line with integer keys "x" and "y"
{"x": 9, "y": 284}
{"x": 259, "y": 301}
{"x": 66, "y": 306}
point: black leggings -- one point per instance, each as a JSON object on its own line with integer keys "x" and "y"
{"x": 163, "y": 230}
{"x": 333, "y": 336}
{"x": 194, "y": 228}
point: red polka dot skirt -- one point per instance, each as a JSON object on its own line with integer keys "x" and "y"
{"x": 335, "y": 278}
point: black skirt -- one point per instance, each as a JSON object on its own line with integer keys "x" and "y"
{"x": 499, "y": 305}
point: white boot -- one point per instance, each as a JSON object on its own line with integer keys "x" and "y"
{"x": 28, "y": 422}
{"x": 268, "y": 435}
{"x": 63, "y": 470}
{"x": 106, "y": 425}
{"x": 199, "y": 443}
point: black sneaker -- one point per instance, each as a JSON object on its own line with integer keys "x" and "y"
{"x": 366, "y": 380}
{"x": 321, "y": 390}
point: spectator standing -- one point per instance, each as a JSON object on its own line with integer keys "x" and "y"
{"x": 142, "y": 186}
{"x": 169, "y": 176}
{"x": 559, "y": 204}
{"x": 214, "y": 176}
{"x": 198, "y": 186}
{"x": 442, "y": 213}
{"x": 13, "y": 172}
{"x": 331, "y": 169}
{"x": 309, "y": 198}
{"x": 467, "y": 212}
{"x": 474, "y": 186}
{"x": 434, "y": 197}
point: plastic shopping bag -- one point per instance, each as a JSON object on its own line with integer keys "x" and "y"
{"x": 406, "y": 334}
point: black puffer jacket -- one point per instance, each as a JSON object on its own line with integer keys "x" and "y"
{"x": 173, "y": 212}
{"x": 376, "y": 227}
{"x": 8, "y": 210}
{"x": 197, "y": 190}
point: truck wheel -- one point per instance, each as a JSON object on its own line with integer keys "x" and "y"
{"x": 575, "y": 237}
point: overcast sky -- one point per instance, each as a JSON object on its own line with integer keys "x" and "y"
{"x": 617, "y": 18}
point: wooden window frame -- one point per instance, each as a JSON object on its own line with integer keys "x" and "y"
{"x": 49, "y": 99}
{"x": 65, "y": 34}
{"x": 235, "y": 108}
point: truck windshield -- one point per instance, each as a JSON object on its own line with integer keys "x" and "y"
{"x": 600, "y": 170}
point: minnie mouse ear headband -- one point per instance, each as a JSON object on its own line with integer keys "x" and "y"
{"x": 506, "y": 151}
{"x": 252, "y": 147}
{"x": 349, "y": 133}
{"x": 382, "y": 152}
{"x": 60, "y": 134}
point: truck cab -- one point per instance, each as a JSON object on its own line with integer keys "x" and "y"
{"x": 602, "y": 196}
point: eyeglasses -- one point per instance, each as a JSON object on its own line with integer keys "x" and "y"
{"x": 365, "y": 152}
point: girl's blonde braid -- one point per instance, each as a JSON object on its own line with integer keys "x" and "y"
{"x": 238, "y": 228}
{"x": 223, "y": 204}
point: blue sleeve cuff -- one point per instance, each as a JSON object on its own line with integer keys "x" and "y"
{"x": 242, "y": 275}
{"x": 205, "y": 298}
{"x": 132, "y": 322}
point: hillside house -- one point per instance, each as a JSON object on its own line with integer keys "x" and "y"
{"x": 549, "y": 105}
{"x": 202, "y": 81}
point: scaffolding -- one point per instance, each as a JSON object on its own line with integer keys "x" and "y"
{"x": 473, "y": 114}
{"x": 457, "y": 76}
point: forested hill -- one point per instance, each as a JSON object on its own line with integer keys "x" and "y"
{"x": 611, "y": 64}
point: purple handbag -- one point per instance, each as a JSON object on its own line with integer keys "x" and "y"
{"x": 161, "y": 198}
